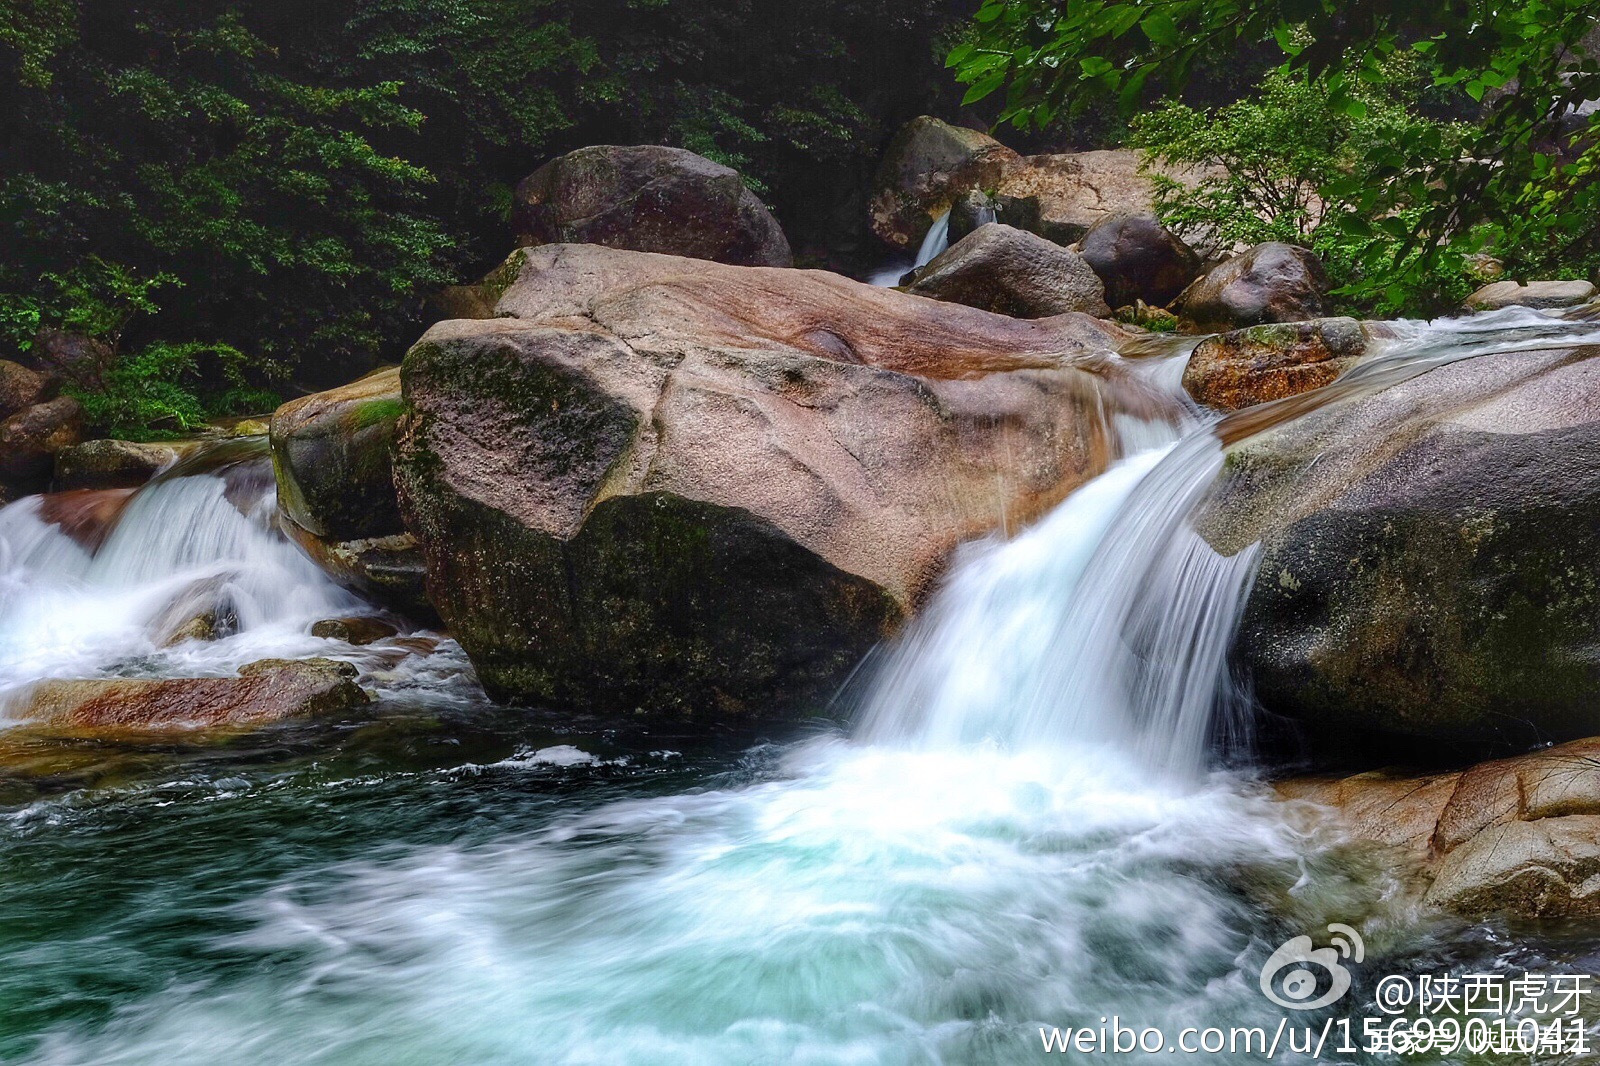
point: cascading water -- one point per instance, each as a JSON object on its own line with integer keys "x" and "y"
{"x": 934, "y": 243}
{"x": 1023, "y": 833}
{"x": 97, "y": 584}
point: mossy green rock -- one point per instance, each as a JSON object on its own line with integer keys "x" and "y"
{"x": 1430, "y": 555}
{"x": 332, "y": 454}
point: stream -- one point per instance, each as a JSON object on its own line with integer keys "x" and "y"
{"x": 1027, "y": 824}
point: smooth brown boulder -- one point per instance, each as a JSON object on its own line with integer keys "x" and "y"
{"x": 1517, "y": 837}
{"x": 86, "y": 515}
{"x": 1139, "y": 259}
{"x": 664, "y": 486}
{"x": 1250, "y": 366}
{"x": 650, "y": 199}
{"x": 927, "y": 167}
{"x": 75, "y": 356}
{"x": 1011, "y": 272}
{"x": 1269, "y": 282}
{"x": 30, "y": 439}
{"x": 361, "y": 630}
{"x": 113, "y": 464}
{"x": 1535, "y": 294}
{"x": 22, "y": 387}
{"x": 267, "y": 691}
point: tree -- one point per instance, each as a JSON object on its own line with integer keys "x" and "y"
{"x": 1519, "y": 183}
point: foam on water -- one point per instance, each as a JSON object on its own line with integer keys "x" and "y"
{"x": 1024, "y": 832}
{"x": 106, "y": 604}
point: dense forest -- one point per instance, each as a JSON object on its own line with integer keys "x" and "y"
{"x": 231, "y": 197}
{"x": 217, "y": 204}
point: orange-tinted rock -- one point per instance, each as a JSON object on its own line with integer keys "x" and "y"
{"x": 268, "y": 691}
{"x": 1517, "y": 836}
{"x": 85, "y": 515}
{"x": 1261, "y": 363}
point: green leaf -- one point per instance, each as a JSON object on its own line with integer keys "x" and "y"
{"x": 984, "y": 87}
{"x": 1095, "y": 66}
{"x": 1159, "y": 27}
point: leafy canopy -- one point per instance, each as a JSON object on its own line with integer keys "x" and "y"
{"x": 1518, "y": 181}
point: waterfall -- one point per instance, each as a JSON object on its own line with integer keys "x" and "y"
{"x": 98, "y": 583}
{"x": 936, "y": 240}
{"x": 1107, "y": 624}
{"x": 933, "y": 245}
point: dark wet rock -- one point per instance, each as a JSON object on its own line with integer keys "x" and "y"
{"x": 1139, "y": 259}
{"x": 1011, "y": 272}
{"x": 73, "y": 356}
{"x": 1270, "y": 282}
{"x": 973, "y": 209}
{"x": 387, "y": 570}
{"x": 359, "y": 630}
{"x": 1250, "y": 366}
{"x": 1535, "y": 294}
{"x": 267, "y": 691}
{"x": 928, "y": 167}
{"x": 673, "y": 487}
{"x": 1517, "y": 837}
{"x": 30, "y": 439}
{"x": 1428, "y": 554}
{"x": 651, "y": 199}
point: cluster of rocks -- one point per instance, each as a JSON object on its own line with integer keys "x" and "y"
{"x": 646, "y": 467}
{"x": 1060, "y": 214}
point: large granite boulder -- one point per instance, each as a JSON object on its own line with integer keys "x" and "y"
{"x": 666, "y": 486}
{"x": 1430, "y": 554}
{"x": 1011, "y": 272}
{"x": 1517, "y": 837}
{"x": 1139, "y": 259}
{"x": 30, "y": 439}
{"x": 927, "y": 168}
{"x": 1250, "y": 366}
{"x": 1061, "y": 197}
{"x": 267, "y": 691}
{"x": 651, "y": 199}
{"x": 1269, "y": 282}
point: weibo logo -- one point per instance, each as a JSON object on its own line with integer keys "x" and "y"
{"x": 1296, "y": 973}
